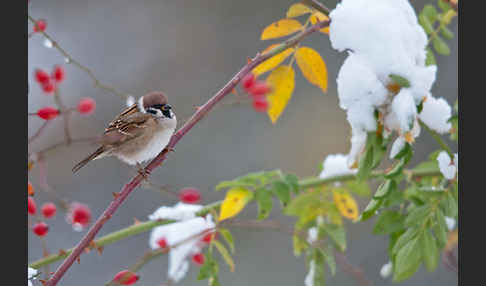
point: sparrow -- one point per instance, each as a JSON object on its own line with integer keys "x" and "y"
{"x": 139, "y": 133}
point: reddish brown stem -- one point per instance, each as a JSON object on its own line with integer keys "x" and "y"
{"x": 196, "y": 117}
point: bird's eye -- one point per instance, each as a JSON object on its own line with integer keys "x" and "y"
{"x": 166, "y": 107}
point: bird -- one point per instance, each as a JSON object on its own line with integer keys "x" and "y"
{"x": 139, "y": 133}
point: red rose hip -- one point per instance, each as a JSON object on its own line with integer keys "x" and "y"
{"x": 198, "y": 258}
{"x": 86, "y": 106}
{"x": 31, "y": 207}
{"x": 190, "y": 195}
{"x": 126, "y": 277}
{"x": 48, "y": 210}
{"x": 40, "y": 228}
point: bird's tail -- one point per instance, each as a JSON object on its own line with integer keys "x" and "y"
{"x": 85, "y": 161}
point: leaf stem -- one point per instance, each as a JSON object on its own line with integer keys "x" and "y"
{"x": 438, "y": 139}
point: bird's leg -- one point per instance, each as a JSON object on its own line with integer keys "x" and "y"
{"x": 142, "y": 171}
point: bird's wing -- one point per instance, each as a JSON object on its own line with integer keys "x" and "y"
{"x": 126, "y": 126}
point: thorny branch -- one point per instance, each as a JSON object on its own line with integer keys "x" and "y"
{"x": 197, "y": 116}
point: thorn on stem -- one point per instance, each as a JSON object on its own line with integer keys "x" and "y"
{"x": 116, "y": 195}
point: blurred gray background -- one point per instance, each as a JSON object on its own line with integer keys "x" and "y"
{"x": 190, "y": 49}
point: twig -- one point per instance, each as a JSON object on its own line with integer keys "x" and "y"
{"x": 71, "y": 60}
{"x": 39, "y": 131}
{"x": 354, "y": 271}
{"x": 197, "y": 116}
{"x": 318, "y": 6}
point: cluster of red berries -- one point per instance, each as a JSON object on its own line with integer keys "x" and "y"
{"x": 79, "y": 215}
{"x": 258, "y": 90}
{"x": 48, "y": 210}
{"x": 191, "y": 196}
{"x": 49, "y": 82}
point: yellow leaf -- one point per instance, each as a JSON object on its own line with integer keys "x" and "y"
{"x": 297, "y": 10}
{"x": 273, "y": 61}
{"x": 234, "y": 202}
{"x": 319, "y": 17}
{"x": 281, "y": 28}
{"x": 312, "y": 66}
{"x": 282, "y": 82}
{"x": 346, "y": 205}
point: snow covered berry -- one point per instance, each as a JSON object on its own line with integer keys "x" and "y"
{"x": 48, "y": 210}
{"x": 86, "y": 106}
{"x": 48, "y": 113}
{"x": 40, "y": 25}
{"x": 190, "y": 195}
{"x": 126, "y": 277}
{"x": 31, "y": 207}
{"x": 198, "y": 258}
{"x": 79, "y": 215}
{"x": 40, "y": 228}
{"x": 208, "y": 237}
{"x": 58, "y": 73}
{"x": 162, "y": 242}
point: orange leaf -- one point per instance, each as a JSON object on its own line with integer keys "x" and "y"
{"x": 281, "y": 28}
{"x": 319, "y": 17}
{"x": 312, "y": 66}
{"x": 273, "y": 61}
{"x": 298, "y": 9}
{"x": 346, "y": 205}
{"x": 30, "y": 189}
{"x": 282, "y": 81}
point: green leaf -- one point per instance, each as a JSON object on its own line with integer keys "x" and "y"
{"x": 225, "y": 254}
{"x": 448, "y": 34}
{"x": 299, "y": 245}
{"x": 430, "y": 59}
{"x": 228, "y": 237}
{"x": 360, "y": 188}
{"x": 407, "y": 260}
{"x": 440, "y": 46}
{"x": 385, "y": 188}
{"x": 365, "y": 164}
{"x": 264, "y": 201}
{"x": 388, "y": 222}
{"x": 213, "y": 281}
{"x": 208, "y": 269}
{"x": 425, "y": 23}
{"x": 427, "y": 165}
{"x": 396, "y": 170}
{"x": 302, "y": 202}
{"x": 417, "y": 215}
{"x": 282, "y": 191}
{"x": 337, "y": 235}
{"x": 293, "y": 181}
{"x": 430, "y": 12}
{"x": 440, "y": 229}
{"x": 231, "y": 184}
{"x": 318, "y": 259}
{"x": 443, "y": 5}
{"x": 329, "y": 258}
{"x": 408, "y": 235}
{"x": 449, "y": 205}
{"x": 429, "y": 250}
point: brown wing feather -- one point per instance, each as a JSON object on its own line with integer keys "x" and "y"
{"x": 125, "y": 126}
